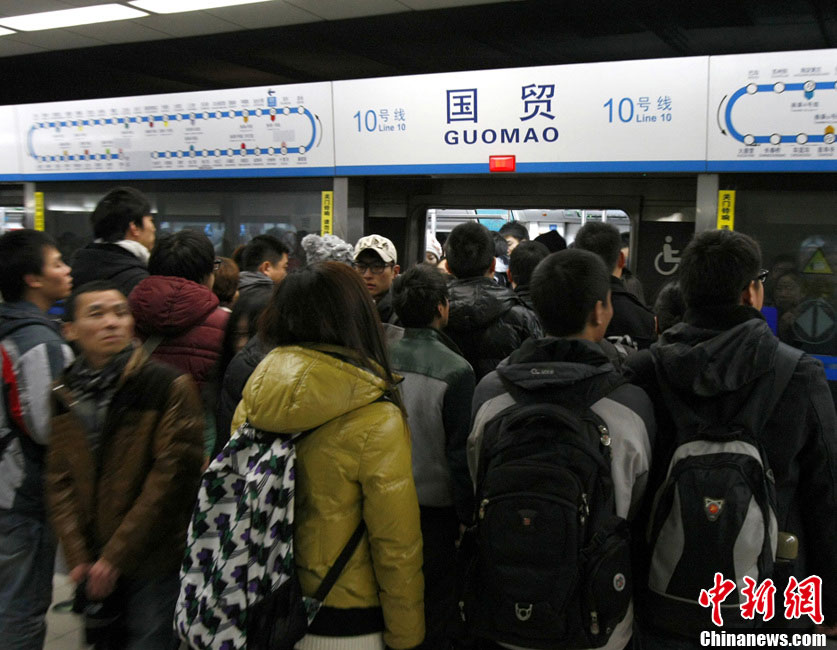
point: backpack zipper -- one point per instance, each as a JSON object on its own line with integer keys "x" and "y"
{"x": 582, "y": 508}
{"x": 594, "y": 623}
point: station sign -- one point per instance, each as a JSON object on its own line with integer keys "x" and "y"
{"x": 617, "y": 116}
{"x": 281, "y": 131}
{"x": 751, "y": 112}
{"x": 10, "y": 165}
{"x": 773, "y": 112}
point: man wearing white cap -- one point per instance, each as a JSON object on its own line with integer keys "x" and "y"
{"x": 376, "y": 260}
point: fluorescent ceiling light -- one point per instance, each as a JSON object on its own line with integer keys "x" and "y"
{"x": 176, "y": 6}
{"x": 5, "y": 32}
{"x": 71, "y": 17}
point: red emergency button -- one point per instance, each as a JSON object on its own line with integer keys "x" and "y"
{"x": 501, "y": 163}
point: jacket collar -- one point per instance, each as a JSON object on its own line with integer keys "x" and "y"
{"x": 14, "y": 315}
{"x": 431, "y": 334}
{"x": 722, "y": 317}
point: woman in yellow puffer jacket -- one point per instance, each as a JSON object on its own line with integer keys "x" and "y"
{"x": 330, "y": 373}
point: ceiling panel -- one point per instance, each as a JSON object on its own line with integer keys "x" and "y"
{"x": 57, "y": 39}
{"x": 193, "y": 23}
{"x": 421, "y": 5}
{"x": 10, "y": 46}
{"x": 330, "y": 10}
{"x": 237, "y": 46}
{"x": 124, "y": 31}
{"x": 268, "y": 14}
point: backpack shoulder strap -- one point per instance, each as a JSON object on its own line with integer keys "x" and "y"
{"x": 151, "y": 344}
{"x": 340, "y": 563}
{"x": 787, "y": 358}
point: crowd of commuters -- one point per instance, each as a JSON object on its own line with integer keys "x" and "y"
{"x": 411, "y": 382}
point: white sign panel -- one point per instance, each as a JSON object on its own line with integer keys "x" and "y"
{"x": 775, "y": 111}
{"x": 9, "y": 150}
{"x": 619, "y": 116}
{"x": 283, "y": 130}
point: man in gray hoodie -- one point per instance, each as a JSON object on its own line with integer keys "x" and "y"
{"x": 32, "y": 278}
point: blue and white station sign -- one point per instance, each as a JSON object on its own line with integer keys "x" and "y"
{"x": 773, "y": 112}
{"x": 263, "y": 131}
{"x": 617, "y": 116}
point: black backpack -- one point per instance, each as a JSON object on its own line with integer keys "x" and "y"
{"x": 550, "y": 567}
{"x": 715, "y": 511}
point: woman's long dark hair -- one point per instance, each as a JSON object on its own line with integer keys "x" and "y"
{"x": 327, "y": 303}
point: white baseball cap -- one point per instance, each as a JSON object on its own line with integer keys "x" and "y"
{"x": 381, "y": 245}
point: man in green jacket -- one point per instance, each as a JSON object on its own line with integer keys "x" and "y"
{"x": 437, "y": 390}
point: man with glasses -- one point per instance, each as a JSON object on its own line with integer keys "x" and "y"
{"x": 722, "y": 369}
{"x": 376, "y": 260}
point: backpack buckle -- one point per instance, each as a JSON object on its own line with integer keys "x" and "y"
{"x": 523, "y": 611}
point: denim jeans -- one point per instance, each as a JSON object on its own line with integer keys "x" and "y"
{"x": 149, "y": 612}
{"x": 27, "y": 558}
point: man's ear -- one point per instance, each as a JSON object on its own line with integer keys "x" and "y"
{"x": 597, "y": 315}
{"x": 33, "y": 281}
{"x": 493, "y": 264}
{"x": 620, "y": 263}
{"x": 511, "y": 279}
{"x": 264, "y": 267}
{"x": 396, "y": 270}
{"x": 68, "y": 331}
{"x": 748, "y": 296}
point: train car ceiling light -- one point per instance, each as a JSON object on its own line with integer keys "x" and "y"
{"x": 71, "y": 17}
{"x": 169, "y": 7}
{"x": 6, "y": 32}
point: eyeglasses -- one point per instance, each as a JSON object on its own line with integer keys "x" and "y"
{"x": 376, "y": 268}
{"x": 217, "y": 264}
{"x": 762, "y": 276}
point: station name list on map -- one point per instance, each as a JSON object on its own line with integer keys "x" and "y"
{"x": 256, "y": 128}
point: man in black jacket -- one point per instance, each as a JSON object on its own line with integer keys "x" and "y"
{"x": 630, "y": 316}
{"x": 125, "y": 233}
{"x": 721, "y": 362}
{"x": 522, "y": 262}
{"x": 487, "y": 321}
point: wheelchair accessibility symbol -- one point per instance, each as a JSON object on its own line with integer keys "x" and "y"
{"x": 670, "y": 263}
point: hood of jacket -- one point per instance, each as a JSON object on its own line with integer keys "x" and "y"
{"x": 14, "y": 315}
{"x": 715, "y": 353}
{"x": 167, "y": 305}
{"x": 475, "y": 303}
{"x": 559, "y": 369}
{"x": 297, "y": 388}
{"x": 96, "y": 259}
{"x": 248, "y": 279}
